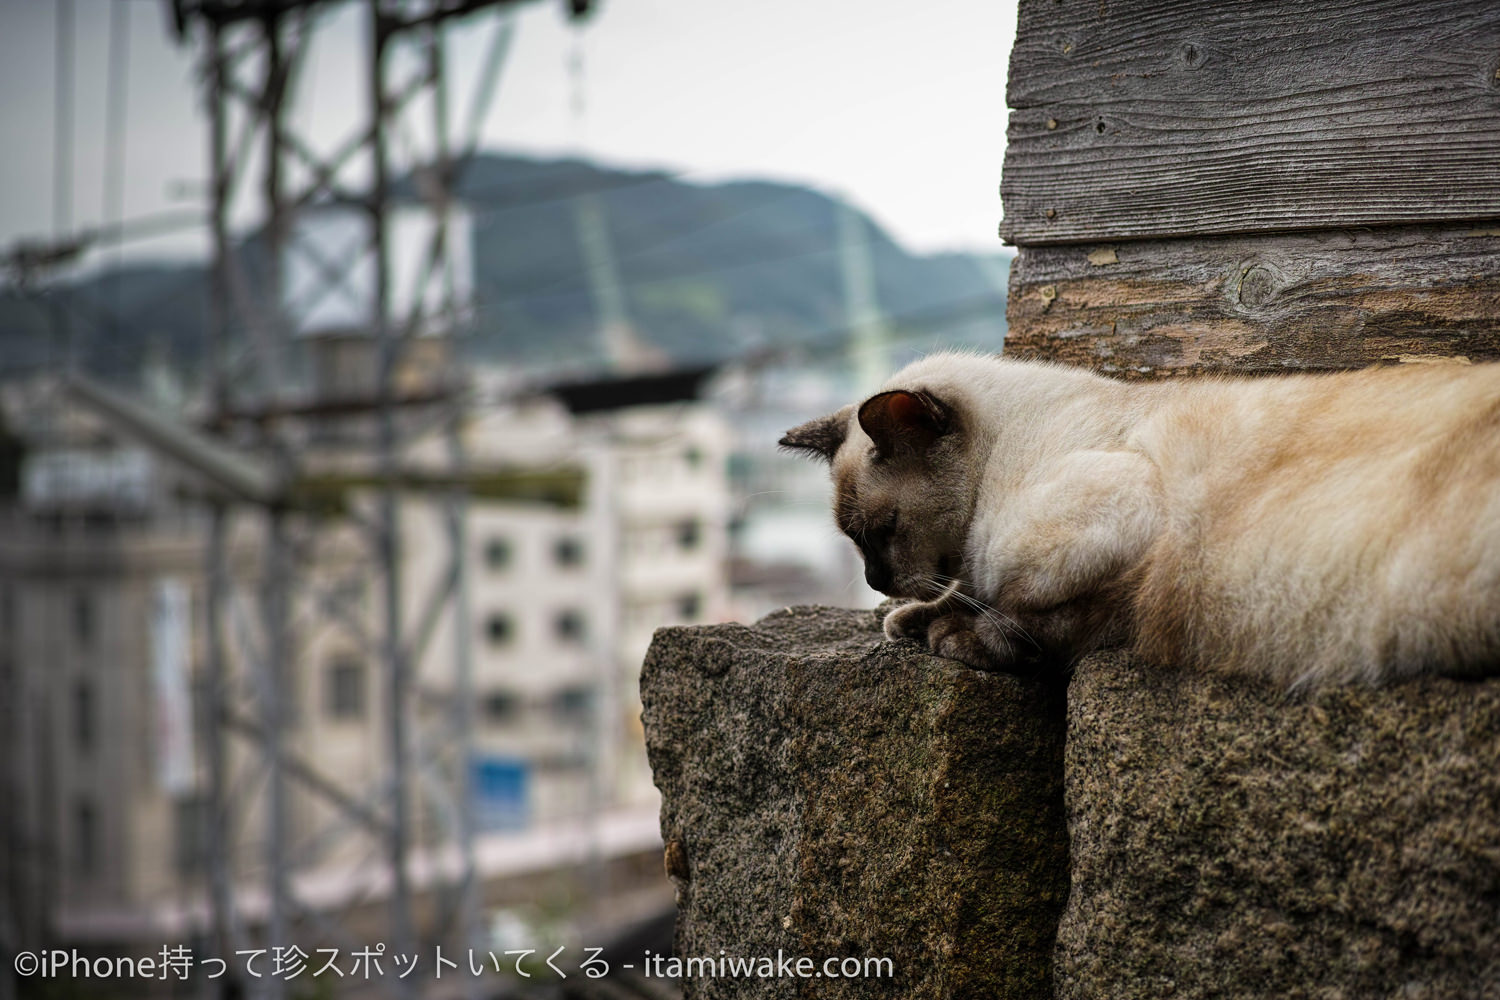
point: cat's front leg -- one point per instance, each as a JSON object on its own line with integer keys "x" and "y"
{"x": 978, "y": 641}
{"x": 912, "y": 621}
{"x": 950, "y": 628}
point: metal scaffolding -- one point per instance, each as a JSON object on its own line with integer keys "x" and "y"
{"x": 253, "y": 52}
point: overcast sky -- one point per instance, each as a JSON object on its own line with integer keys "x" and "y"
{"x": 898, "y": 105}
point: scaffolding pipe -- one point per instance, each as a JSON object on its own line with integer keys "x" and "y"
{"x": 389, "y": 542}
{"x": 273, "y": 481}
{"x": 218, "y": 859}
{"x": 276, "y": 669}
{"x": 456, "y": 510}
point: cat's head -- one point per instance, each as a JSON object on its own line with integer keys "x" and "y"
{"x": 904, "y": 485}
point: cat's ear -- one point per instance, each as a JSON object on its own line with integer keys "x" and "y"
{"x": 901, "y": 422}
{"x": 822, "y": 436}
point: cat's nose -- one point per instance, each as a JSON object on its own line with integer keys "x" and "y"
{"x": 877, "y": 576}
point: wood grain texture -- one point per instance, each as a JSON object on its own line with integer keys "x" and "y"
{"x": 1160, "y": 118}
{"x": 1307, "y": 301}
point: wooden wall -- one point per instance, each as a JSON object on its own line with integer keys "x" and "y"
{"x": 1254, "y": 186}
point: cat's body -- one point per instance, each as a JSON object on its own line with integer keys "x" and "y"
{"x": 1305, "y": 528}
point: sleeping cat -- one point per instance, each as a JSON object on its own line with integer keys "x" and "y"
{"x": 1306, "y": 528}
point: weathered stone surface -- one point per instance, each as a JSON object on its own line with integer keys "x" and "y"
{"x": 1233, "y": 840}
{"x": 831, "y": 794}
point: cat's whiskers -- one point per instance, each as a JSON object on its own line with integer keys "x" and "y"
{"x": 854, "y": 580}
{"x": 1195, "y": 521}
{"x": 989, "y": 611}
{"x": 951, "y": 586}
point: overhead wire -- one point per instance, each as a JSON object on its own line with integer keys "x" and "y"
{"x": 821, "y": 344}
{"x": 579, "y": 285}
{"x": 575, "y": 288}
{"x": 116, "y": 230}
{"x": 62, "y": 121}
{"x": 908, "y": 328}
{"x": 117, "y": 105}
{"x": 571, "y": 286}
{"x": 62, "y": 163}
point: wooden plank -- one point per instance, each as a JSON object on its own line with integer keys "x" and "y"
{"x": 1159, "y": 118}
{"x": 1316, "y": 301}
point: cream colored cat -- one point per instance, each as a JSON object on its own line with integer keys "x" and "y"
{"x": 1307, "y": 528}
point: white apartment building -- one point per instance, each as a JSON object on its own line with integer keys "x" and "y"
{"x": 103, "y": 703}
{"x": 565, "y": 598}
{"x": 102, "y": 604}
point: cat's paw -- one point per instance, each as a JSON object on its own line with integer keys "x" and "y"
{"x": 912, "y": 621}
{"x": 971, "y": 641}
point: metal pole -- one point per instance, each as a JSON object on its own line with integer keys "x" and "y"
{"x": 114, "y": 143}
{"x": 457, "y": 512}
{"x": 228, "y": 932}
{"x": 273, "y": 94}
{"x": 277, "y": 669}
{"x": 275, "y": 674}
{"x": 399, "y": 682}
{"x": 62, "y": 123}
{"x": 266, "y": 317}
{"x": 218, "y": 139}
{"x": 463, "y": 722}
{"x": 217, "y": 848}
{"x": 62, "y": 171}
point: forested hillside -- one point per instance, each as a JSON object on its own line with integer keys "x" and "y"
{"x": 705, "y": 271}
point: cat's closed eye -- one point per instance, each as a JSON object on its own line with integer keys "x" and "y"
{"x": 879, "y": 530}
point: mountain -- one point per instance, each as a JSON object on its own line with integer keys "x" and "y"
{"x": 708, "y": 270}
{"x": 705, "y": 272}
{"x": 110, "y": 322}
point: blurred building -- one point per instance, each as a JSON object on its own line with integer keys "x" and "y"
{"x": 785, "y": 547}
{"x": 102, "y": 649}
{"x": 100, "y": 579}
{"x": 565, "y": 597}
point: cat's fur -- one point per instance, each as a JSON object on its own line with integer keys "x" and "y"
{"x": 1307, "y": 528}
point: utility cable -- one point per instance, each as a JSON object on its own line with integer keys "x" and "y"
{"x": 117, "y": 104}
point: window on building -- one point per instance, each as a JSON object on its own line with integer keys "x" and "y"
{"x": 573, "y": 704}
{"x": 570, "y": 626}
{"x": 83, "y": 716}
{"x": 498, "y": 553}
{"x": 690, "y": 606}
{"x": 190, "y": 835}
{"x": 568, "y": 551}
{"x": 499, "y": 628}
{"x": 85, "y": 837}
{"x": 689, "y": 534}
{"x": 344, "y": 689}
{"x": 83, "y": 618}
{"x": 501, "y": 707}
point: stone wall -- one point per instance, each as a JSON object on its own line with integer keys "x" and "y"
{"x": 829, "y": 794}
{"x": 1230, "y": 839}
